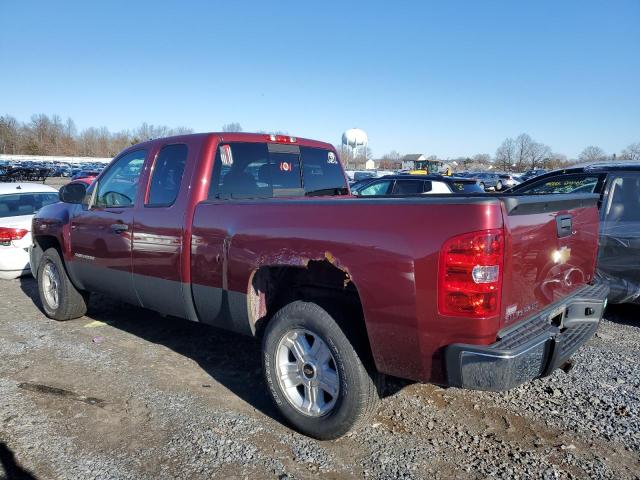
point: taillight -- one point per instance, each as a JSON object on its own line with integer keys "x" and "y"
{"x": 9, "y": 234}
{"x": 470, "y": 274}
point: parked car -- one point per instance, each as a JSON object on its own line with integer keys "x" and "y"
{"x": 618, "y": 188}
{"x": 85, "y": 174}
{"x": 262, "y": 238}
{"x": 18, "y": 203}
{"x": 362, "y": 175}
{"x": 415, "y": 185}
{"x": 507, "y": 180}
{"x": 488, "y": 181}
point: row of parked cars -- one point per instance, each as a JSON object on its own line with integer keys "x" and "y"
{"x": 375, "y": 182}
{"x": 30, "y": 171}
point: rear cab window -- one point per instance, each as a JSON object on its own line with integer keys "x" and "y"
{"x": 266, "y": 170}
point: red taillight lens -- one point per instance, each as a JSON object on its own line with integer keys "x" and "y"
{"x": 9, "y": 234}
{"x": 470, "y": 274}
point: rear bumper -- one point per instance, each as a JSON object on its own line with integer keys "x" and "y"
{"x": 530, "y": 349}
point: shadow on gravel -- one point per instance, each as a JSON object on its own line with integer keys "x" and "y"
{"x": 624, "y": 313}
{"x": 230, "y": 359}
{"x": 12, "y": 471}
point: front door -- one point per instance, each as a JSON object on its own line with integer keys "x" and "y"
{"x": 101, "y": 231}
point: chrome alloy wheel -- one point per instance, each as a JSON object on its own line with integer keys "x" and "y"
{"x": 307, "y": 372}
{"x": 51, "y": 285}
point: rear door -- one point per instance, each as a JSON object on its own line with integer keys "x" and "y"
{"x": 101, "y": 232}
{"x": 158, "y": 232}
{"x": 551, "y": 247}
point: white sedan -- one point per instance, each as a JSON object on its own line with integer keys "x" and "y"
{"x": 18, "y": 203}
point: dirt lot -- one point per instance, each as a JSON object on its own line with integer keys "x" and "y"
{"x": 126, "y": 393}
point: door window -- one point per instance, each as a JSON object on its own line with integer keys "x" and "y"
{"x": 167, "y": 175}
{"x": 623, "y": 204}
{"x": 119, "y": 185}
{"x": 407, "y": 187}
{"x": 376, "y": 188}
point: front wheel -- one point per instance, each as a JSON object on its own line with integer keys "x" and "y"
{"x": 315, "y": 376}
{"x": 59, "y": 297}
{"x": 499, "y": 186}
{"x": 482, "y": 186}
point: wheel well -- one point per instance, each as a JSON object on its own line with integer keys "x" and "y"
{"x": 321, "y": 282}
{"x": 47, "y": 241}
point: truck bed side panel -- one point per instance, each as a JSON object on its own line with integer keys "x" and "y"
{"x": 389, "y": 248}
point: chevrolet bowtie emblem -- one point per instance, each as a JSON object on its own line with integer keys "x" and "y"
{"x": 561, "y": 255}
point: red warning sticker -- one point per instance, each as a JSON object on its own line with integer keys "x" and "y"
{"x": 286, "y": 166}
{"x": 226, "y": 155}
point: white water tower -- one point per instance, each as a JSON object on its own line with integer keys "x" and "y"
{"x": 355, "y": 141}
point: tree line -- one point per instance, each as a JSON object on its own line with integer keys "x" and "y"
{"x": 50, "y": 135}
{"x": 524, "y": 153}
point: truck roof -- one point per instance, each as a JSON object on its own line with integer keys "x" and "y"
{"x": 240, "y": 137}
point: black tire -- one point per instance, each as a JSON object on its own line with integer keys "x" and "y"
{"x": 72, "y": 303}
{"x": 357, "y": 397}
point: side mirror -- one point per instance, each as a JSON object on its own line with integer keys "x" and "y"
{"x": 73, "y": 193}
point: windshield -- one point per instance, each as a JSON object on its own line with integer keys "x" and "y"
{"x": 16, "y": 204}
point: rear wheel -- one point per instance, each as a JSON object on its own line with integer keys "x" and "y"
{"x": 499, "y": 185}
{"x": 314, "y": 375}
{"x": 482, "y": 186}
{"x": 59, "y": 297}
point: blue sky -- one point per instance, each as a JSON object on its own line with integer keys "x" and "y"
{"x": 448, "y": 78}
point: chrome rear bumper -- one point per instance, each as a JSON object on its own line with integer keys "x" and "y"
{"x": 530, "y": 349}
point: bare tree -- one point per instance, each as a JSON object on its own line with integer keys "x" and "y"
{"x": 506, "y": 154}
{"x": 555, "y": 161}
{"x": 632, "y": 152}
{"x": 390, "y": 161}
{"x": 232, "y": 127}
{"x": 592, "y": 154}
{"x": 538, "y": 154}
{"x": 9, "y": 134}
{"x": 483, "y": 158}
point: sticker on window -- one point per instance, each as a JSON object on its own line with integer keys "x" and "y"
{"x": 226, "y": 155}
{"x": 286, "y": 166}
{"x": 331, "y": 158}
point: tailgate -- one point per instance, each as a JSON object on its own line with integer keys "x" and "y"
{"x": 551, "y": 250}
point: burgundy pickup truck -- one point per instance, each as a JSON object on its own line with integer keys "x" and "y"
{"x": 259, "y": 234}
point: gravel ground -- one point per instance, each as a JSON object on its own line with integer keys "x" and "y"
{"x": 125, "y": 393}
